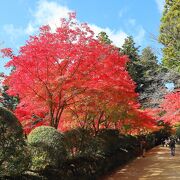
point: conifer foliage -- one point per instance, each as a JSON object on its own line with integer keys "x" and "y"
{"x": 169, "y": 34}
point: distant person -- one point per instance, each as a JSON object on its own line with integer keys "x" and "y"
{"x": 172, "y": 146}
{"x": 143, "y": 147}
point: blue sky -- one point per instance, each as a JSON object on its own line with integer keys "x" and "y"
{"x": 119, "y": 18}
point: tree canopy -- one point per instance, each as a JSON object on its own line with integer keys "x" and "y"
{"x": 70, "y": 72}
{"x": 169, "y": 37}
{"x": 170, "y": 34}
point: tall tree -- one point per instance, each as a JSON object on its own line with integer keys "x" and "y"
{"x": 169, "y": 37}
{"x": 146, "y": 72}
{"x": 133, "y": 66}
{"x": 171, "y": 108}
{"x": 152, "y": 80}
{"x": 130, "y": 49}
{"x": 58, "y": 72}
{"x": 148, "y": 58}
{"x": 170, "y": 34}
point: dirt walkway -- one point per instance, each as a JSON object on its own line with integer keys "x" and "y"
{"x": 157, "y": 165}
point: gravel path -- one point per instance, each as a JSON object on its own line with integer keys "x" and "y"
{"x": 156, "y": 165}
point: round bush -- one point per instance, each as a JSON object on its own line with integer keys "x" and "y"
{"x": 47, "y": 147}
{"x": 107, "y": 141}
{"x": 14, "y": 157}
{"x": 79, "y": 142}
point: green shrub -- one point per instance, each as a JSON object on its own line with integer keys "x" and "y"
{"x": 47, "y": 147}
{"x": 14, "y": 157}
{"x": 96, "y": 155}
{"x": 79, "y": 142}
{"x": 150, "y": 139}
{"x": 178, "y": 131}
{"x": 129, "y": 143}
{"x": 107, "y": 141}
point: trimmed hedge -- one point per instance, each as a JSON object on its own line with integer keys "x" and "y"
{"x": 47, "y": 147}
{"x": 14, "y": 156}
{"x": 79, "y": 142}
{"x": 89, "y": 156}
{"x": 112, "y": 150}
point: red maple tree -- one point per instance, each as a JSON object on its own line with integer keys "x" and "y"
{"x": 170, "y": 108}
{"x": 69, "y": 73}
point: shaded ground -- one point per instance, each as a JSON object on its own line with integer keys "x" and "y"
{"x": 157, "y": 165}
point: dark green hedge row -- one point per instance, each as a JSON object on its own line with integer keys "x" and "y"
{"x": 75, "y": 154}
{"x": 99, "y": 155}
{"x": 14, "y": 155}
{"x": 95, "y": 156}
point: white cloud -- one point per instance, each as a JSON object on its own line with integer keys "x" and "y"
{"x": 116, "y": 36}
{"x": 122, "y": 12}
{"x": 160, "y": 5}
{"x": 140, "y": 35}
{"x": 50, "y": 12}
{"x": 47, "y": 13}
{"x": 30, "y": 29}
{"x": 136, "y": 30}
{"x": 12, "y": 31}
{"x": 132, "y": 22}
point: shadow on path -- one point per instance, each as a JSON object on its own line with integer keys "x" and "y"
{"x": 157, "y": 165}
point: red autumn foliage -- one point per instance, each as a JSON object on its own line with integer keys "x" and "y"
{"x": 171, "y": 108}
{"x": 68, "y": 77}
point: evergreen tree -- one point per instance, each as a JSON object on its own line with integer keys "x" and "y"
{"x": 150, "y": 77}
{"x": 130, "y": 49}
{"x": 170, "y": 34}
{"x": 148, "y": 58}
{"x": 134, "y": 67}
{"x": 153, "y": 79}
{"x": 7, "y": 101}
{"x": 104, "y": 38}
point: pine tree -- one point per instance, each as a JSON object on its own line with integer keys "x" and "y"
{"x": 104, "y": 38}
{"x": 170, "y": 34}
{"x": 150, "y": 77}
{"x": 133, "y": 66}
{"x": 7, "y": 101}
{"x": 153, "y": 79}
{"x": 130, "y": 49}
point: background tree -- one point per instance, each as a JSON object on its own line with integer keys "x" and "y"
{"x": 171, "y": 108}
{"x": 133, "y": 66}
{"x": 169, "y": 37}
{"x": 128, "y": 48}
{"x": 170, "y": 34}
{"x": 146, "y": 72}
{"x": 152, "y": 79}
{"x": 104, "y": 38}
{"x": 7, "y": 101}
